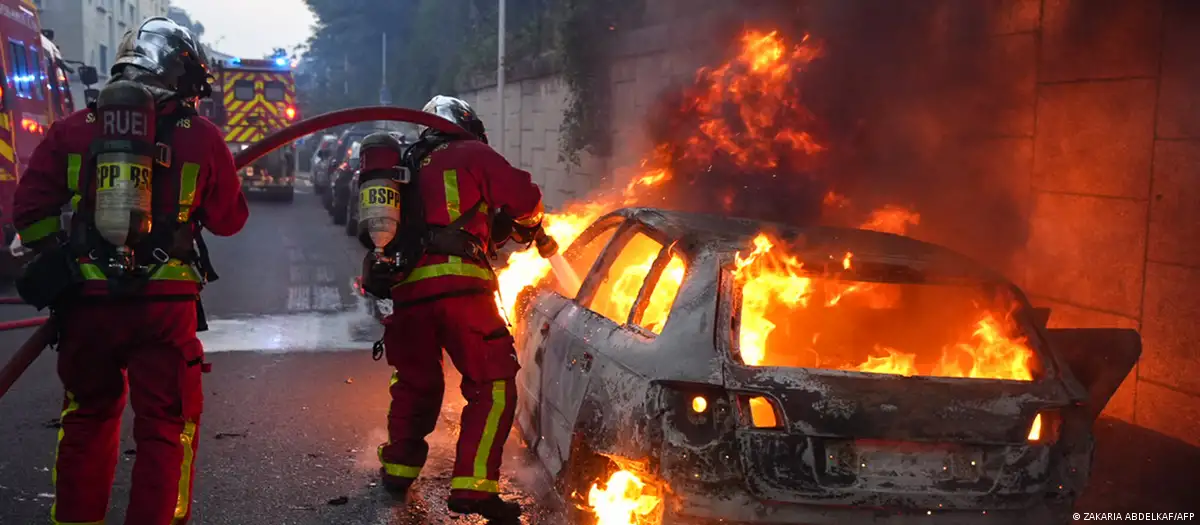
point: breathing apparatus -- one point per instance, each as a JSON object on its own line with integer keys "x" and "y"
{"x": 381, "y": 175}
{"x": 123, "y": 158}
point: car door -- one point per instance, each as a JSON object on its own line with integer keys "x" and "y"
{"x": 538, "y": 341}
{"x": 606, "y": 304}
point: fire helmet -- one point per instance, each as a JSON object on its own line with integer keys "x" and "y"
{"x": 170, "y": 53}
{"x": 457, "y": 111}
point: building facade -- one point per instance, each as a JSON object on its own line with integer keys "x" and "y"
{"x": 88, "y": 31}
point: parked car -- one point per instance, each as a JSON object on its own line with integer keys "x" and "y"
{"x": 655, "y": 365}
{"x": 352, "y": 190}
{"x": 340, "y": 189}
{"x": 320, "y": 166}
{"x": 338, "y": 161}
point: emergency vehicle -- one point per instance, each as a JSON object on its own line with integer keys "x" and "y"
{"x": 33, "y": 93}
{"x": 251, "y": 99}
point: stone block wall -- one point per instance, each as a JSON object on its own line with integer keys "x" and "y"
{"x": 1098, "y": 142}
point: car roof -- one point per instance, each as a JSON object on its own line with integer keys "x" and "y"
{"x": 696, "y": 233}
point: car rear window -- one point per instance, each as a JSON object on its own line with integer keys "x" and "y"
{"x": 794, "y": 315}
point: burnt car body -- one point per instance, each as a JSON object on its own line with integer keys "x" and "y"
{"x": 597, "y": 394}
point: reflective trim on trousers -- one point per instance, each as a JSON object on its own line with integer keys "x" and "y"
{"x": 74, "y": 164}
{"x": 396, "y": 469}
{"x": 479, "y": 480}
{"x": 187, "y": 440}
{"x": 72, "y": 405}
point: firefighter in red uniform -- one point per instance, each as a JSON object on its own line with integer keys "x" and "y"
{"x": 444, "y": 300}
{"x": 128, "y": 318}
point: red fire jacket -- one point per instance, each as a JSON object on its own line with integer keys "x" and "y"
{"x": 454, "y": 178}
{"x": 209, "y": 185}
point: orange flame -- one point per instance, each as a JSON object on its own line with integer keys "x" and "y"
{"x": 622, "y": 501}
{"x": 769, "y": 278}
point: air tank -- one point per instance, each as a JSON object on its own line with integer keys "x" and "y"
{"x": 380, "y": 178}
{"x": 124, "y": 163}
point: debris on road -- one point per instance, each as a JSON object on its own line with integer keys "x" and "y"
{"x": 45, "y": 495}
{"x": 53, "y": 423}
{"x": 131, "y": 452}
{"x": 223, "y": 435}
{"x": 349, "y": 380}
{"x": 340, "y": 500}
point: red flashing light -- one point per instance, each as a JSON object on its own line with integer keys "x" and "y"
{"x": 32, "y": 126}
{"x": 291, "y": 113}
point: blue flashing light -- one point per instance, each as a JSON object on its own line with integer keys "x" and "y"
{"x": 235, "y": 61}
{"x": 281, "y": 61}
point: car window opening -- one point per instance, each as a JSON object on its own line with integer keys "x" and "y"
{"x": 581, "y": 260}
{"x": 623, "y": 279}
{"x": 792, "y": 316}
{"x": 274, "y": 92}
{"x": 243, "y": 90}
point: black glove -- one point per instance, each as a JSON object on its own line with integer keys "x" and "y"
{"x": 502, "y": 228}
{"x": 377, "y": 278}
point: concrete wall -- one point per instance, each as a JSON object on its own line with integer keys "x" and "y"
{"x": 1099, "y": 143}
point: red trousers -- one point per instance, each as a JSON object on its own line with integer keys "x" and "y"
{"x": 472, "y": 332}
{"x": 151, "y": 348}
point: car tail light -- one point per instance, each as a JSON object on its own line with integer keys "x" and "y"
{"x": 1045, "y": 428}
{"x": 698, "y": 411}
{"x": 291, "y": 112}
{"x": 759, "y": 412}
{"x": 699, "y": 441}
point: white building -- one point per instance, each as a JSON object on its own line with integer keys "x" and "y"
{"x": 88, "y": 31}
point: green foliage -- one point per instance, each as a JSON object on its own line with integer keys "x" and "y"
{"x": 434, "y": 46}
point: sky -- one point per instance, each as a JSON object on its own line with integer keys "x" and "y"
{"x": 251, "y": 28}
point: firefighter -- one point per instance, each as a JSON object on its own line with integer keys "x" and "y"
{"x": 443, "y": 299}
{"x": 123, "y": 282}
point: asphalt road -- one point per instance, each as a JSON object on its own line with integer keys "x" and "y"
{"x": 295, "y": 406}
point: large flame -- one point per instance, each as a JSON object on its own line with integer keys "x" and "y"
{"x": 622, "y": 501}
{"x": 759, "y": 134}
{"x": 770, "y": 277}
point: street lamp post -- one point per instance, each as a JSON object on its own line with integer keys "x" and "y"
{"x": 500, "y": 32}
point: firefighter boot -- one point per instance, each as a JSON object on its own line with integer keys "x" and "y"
{"x": 492, "y": 508}
{"x": 396, "y": 486}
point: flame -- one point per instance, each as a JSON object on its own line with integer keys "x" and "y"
{"x": 770, "y": 277}
{"x": 1035, "y": 430}
{"x": 746, "y": 113}
{"x": 622, "y": 501}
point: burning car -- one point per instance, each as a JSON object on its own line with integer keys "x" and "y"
{"x": 727, "y": 370}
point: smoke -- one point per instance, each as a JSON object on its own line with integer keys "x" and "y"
{"x": 916, "y": 104}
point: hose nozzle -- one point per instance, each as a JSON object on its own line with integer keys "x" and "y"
{"x": 546, "y": 245}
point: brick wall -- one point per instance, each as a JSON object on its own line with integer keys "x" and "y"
{"x": 1098, "y": 143}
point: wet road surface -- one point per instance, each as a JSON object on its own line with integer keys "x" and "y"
{"x": 295, "y": 405}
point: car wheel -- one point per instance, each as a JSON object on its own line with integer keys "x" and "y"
{"x": 339, "y": 213}
{"x": 351, "y": 224}
{"x": 584, "y": 469}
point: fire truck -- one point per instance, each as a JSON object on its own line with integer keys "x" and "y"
{"x": 251, "y": 99}
{"x": 33, "y": 93}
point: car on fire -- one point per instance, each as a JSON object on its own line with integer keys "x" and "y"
{"x": 748, "y": 372}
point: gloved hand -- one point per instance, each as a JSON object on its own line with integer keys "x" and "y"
{"x": 377, "y": 278}
{"x": 546, "y": 245}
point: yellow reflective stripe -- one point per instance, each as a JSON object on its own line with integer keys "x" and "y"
{"x": 187, "y": 189}
{"x": 72, "y": 405}
{"x": 395, "y": 379}
{"x": 396, "y": 469}
{"x": 184, "y": 502}
{"x": 173, "y": 270}
{"x": 453, "y": 203}
{"x": 40, "y": 230}
{"x": 74, "y": 164}
{"x": 476, "y": 484}
{"x": 489, "y": 430}
{"x": 461, "y": 269}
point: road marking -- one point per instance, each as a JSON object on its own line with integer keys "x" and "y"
{"x": 326, "y": 298}
{"x": 324, "y": 274}
{"x": 299, "y": 299}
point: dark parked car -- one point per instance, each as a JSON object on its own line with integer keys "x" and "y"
{"x": 747, "y": 387}
{"x": 340, "y": 189}
{"x": 338, "y": 162}
{"x": 320, "y": 163}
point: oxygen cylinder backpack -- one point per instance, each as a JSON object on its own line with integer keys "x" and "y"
{"x": 126, "y": 231}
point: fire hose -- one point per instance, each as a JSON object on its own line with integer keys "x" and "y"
{"x": 33, "y": 347}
